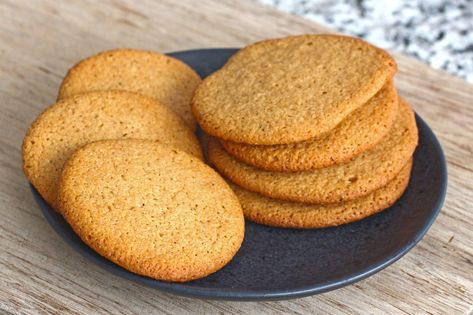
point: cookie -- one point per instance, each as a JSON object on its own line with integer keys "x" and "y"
{"x": 152, "y": 209}
{"x": 360, "y": 176}
{"x": 292, "y": 89}
{"x": 167, "y": 79}
{"x": 357, "y": 133}
{"x": 78, "y": 120}
{"x": 287, "y": 214}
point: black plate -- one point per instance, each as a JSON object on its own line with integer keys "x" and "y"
{"x": 286, "y": 263}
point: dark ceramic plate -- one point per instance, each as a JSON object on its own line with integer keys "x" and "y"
{"x": 284, "y": 263}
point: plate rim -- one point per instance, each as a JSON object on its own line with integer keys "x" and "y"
{"x": 254, "y": 295}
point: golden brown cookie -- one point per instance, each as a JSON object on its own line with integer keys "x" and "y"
{"x": 291, "y": 89}
{"x": 287, "y": 214}
{"x": 360, "y": 176}
{"x": 152, "y": 209}
{"x": 167, "y": 79}
{"x": 360, "y": 131}
{"x": 70, "y": 123}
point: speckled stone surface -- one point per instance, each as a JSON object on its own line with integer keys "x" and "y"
{"x": 286, "y": 263}
{"x": 439, "y": 32}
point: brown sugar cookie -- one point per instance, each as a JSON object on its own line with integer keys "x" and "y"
{"x": 360, "y": 176}
{"x": 287, "y": 214}
{"x": 70, "y": 123}
{"x": 152, "y": 209}
{"x": 291, "y": 89}
{"x": 167, "y": 79}
{"x": 360, "y": 131}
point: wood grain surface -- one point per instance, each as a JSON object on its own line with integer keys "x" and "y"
{"x": 39, "y": 273}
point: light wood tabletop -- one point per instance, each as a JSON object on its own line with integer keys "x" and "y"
{"x": 39, "y": 273}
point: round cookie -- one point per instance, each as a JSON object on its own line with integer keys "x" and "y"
{"x": 287, "y": 214}
{"x": 167, "y": 79}
{"x": 70, "y": 123}
{"x": 154, "y": 210}
{"x": 363, "y": 174}
{"x": 292, "y": 89}
{"x": 357, "y": 133}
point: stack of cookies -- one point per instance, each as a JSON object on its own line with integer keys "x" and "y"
{"x": 117, "y": 157}
{"x": 309, "y": 130}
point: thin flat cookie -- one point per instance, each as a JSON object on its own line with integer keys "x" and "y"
{"x": 291, "y": 89}
{"x": 287, "y": 214}
{"x": 164, "y": 78}
{"x": 152, "y": 209}
{"x": 357, "y": 133}
{"x": 75, "y": 121}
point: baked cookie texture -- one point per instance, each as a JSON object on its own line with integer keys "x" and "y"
{"x": 291, "y": 89}
{"x": 357, "y": 133}
{"x": 361, "y": 175}
{"x": 287, "y": 214}
{"x": 152, "y": 209}
{"x": 75, "y": 121}
{"x": 167, "y": 79}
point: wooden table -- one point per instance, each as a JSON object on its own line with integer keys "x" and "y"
{"x": 39, "y": 273}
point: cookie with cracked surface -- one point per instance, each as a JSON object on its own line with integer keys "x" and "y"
{"x": 357, "y": 133}
{"x": 287, "y": 214}
{"x": 165, "y": 78}
{"x": 291, "y": 89}
{"x": 152, "y": 209}
{"x": 75, "y": 121}
{"x": 363, "y": 174}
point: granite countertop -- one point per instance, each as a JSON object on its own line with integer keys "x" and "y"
{"x": 438, "y": 32}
